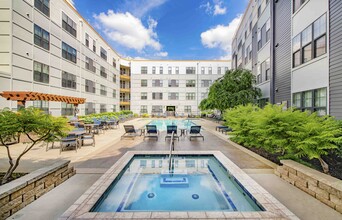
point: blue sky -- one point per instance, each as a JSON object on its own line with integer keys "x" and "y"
{"x": 165, "y": 29}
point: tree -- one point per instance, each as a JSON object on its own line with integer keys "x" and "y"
{"x": 34, "y": 124}
{"x": 235, "y": 88}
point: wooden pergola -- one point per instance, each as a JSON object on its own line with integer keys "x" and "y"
{"x": 22, "y": 96}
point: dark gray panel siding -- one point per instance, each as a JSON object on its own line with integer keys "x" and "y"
{"x": 254, "y": 49}
{"x": 335, "y": 67}
{"x": 282, "y": 51}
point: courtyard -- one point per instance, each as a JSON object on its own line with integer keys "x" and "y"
{"x": 91, "y": 163}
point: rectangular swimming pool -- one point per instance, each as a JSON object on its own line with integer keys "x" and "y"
{"x": 162, "y": 123}
{"x": 195, "y": 183}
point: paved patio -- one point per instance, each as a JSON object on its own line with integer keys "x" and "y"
{"x": 90, "y": 162}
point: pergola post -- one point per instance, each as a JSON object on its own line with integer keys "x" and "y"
{"x": 76, "y": 110}
{"x": 20, "y": 104}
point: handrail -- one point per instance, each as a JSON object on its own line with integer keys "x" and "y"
{"x": 172, "y": 148}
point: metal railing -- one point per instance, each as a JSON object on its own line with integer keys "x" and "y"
{"x": 172, "y": 148}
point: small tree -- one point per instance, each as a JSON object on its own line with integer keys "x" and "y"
{"x": 35, "y": 125}
{"x": 235, "y": 88}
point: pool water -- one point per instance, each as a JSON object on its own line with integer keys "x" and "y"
{"x": 196, "y": 183}
{"x": 161, "y": 124}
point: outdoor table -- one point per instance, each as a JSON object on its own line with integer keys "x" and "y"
{"x": 183, "y": 131}
{"x": 78, "y": 134}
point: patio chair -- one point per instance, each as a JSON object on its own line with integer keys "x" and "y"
{"x": 87, "y": 136}
{"x": 226, "y": 130}
{"x": 169, "y": 130}
{"x": 220, "y": 127}
{"x": 195, "y": 132}
{"x": 70, "y": 140}
{"x": 130, "y": 131}
{"x": 151, "y": 132}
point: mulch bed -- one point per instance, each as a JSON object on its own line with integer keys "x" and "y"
{"x": 14, "y": 176}
{"x": 333, "y": 160}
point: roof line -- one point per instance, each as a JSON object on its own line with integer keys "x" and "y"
{"x": 243, "y": 17}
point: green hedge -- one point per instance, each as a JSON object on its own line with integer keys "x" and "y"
{"x": 89, "y": 118}
{"x": 290, "y": 133}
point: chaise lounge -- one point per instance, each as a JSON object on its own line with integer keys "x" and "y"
{"x": 130, "y": 131}
{"x": 151, "y": 132}
{"x": 169, "y": 130}
{"x": 195, "y": 132}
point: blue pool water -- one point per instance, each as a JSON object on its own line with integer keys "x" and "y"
{"x": 198, "y": 183}
{"x": 161, "y": 124}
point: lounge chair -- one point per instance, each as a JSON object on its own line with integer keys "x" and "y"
{"x": 169, "y": 130}
{"x": 195, "y": 132}
{"x": 151, "y": 132}
{"x": 218, "y": 128}
{"x": 226, "y": 130}
{"x": 130, "y": 131}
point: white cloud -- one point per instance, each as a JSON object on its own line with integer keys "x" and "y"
{"x": 129, "y": 31}
{"x": 216, "y": 8}
{"x": 161, "y": 54}
{"x": 140, "y": 7}
{"x": 221, "y": 36}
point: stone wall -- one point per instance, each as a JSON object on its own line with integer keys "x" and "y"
{"x": 21, "y": 192}
{"x": 325, "y": 188}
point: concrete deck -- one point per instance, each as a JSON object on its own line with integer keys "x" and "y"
{"x": 90, "y": 162}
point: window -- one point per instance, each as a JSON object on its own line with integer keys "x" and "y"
{"x": 42, "y": 105}
{"x": 157, "y": 83}
{"x": 89, "y": 64}
{"x": 206, "y": 83}
{"x": 173, "y": 96}
{"x": 190, "y": 70}
{"x": 210, "y": 71}
{"x": 187, "y": 108}
{"x": 94, "y": 46}
{"x": 68, "y": 80}
{"x": 173, "y": 83}
{"x": 69, "y": 25}
{"x": 250, "y": 52}
{"x": 114, "y": 78}
{"x": 143, "y": 83}
{"x": 190, "y": 83}
{"x": 259, "y": 11}
{"x": 307, "y": 99}
{"x": 157, "y": 109}
{"x": 225, "y": 69}
{"x": 268, "y": 30}
{"x": 190, "y": 96}
{"x": 306, "y": 44}
{"x": 144, "y": 96}
{"x": 267, "y": 70}
{"x": 90, "y": 86}
{"x": 43, "y": 6}
{"x": 103, "y": 108}
{"x": 103, "y": 72}
{"x": 218, "y": 70}
{"x": 40, "y": 72}
{"x": 67, "y": 109}
{"x": 144, "y": 70}
{"x": 177, "y": 70}
{"x": 161, "y": 70}
{"x": 87, "y": 40}
{"x": 259, "y": 40}
{"x": 103, "y": 90}
{"x": 296, "y": 50}
{"x": 297, "y": 4}
{"x": 103, "y": 53}
{"x": 320, "y": 101}
{"x": 89, "y": 108}
{"x": 69, "y": 53}
{"x": 204, "y": 95}
{"x": 41, "y": 37}
{"x": 169, "y": 70}
{"x": 143, "y": 109}
{"x": 319, "y": 27}
{"x": 259, "y": 78}
{"x": 246, "y": 54}
{"x": 114, "y": 63}
{"x": 202, "y": 70}
{"x": 114, "y": 108}
{"x": 154, "y": 70}
{"x": 157, "y": 95}
{"x": 250, "y": 26}
{"x": 114, "y": 93}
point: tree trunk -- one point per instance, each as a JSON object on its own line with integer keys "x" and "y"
{"x": 324, "y": 165}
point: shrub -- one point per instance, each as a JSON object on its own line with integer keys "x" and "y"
{"x": 290, "y": 133}
{"x": 145, "y": 115}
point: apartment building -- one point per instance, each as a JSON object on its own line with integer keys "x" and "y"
{"x": 159, "y": 86}
{"x": 304, "y": 53}
{"x": 48, "y": 47}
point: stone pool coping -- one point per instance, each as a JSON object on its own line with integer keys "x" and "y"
{"x": 81, "y": 208}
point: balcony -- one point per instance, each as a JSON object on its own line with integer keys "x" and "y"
{"x": 125, "y": 102}
{"x": 125, "y": 77}
{"x": 127, "y": 90}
